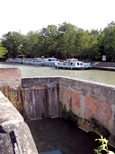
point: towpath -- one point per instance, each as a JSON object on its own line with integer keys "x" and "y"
{"x": 109, "y": 66}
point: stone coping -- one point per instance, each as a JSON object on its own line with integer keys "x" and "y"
{"x": 11, "y": 121}
{"x": 64, "y": 77}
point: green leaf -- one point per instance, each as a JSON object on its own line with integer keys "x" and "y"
{"x": 96, "y": 151}
{"x": 102, "y": 147}
{"x": 102, "y": 140}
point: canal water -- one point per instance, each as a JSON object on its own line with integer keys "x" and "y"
{"x": 57, "y": 136}
{"x": 91, "y": 75}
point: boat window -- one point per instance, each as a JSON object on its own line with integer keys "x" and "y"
{"x": 77, "y": 63}
{"x": 81, "y": 64}
{"x": 49, "y": 60}
{"x": 71, "y": 63}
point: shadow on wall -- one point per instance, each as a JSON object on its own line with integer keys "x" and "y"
{"x": 34, "y": 103}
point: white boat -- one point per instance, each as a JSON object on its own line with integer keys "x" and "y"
{"x": 14, "y": 60}
{"x": 50, "y": 61}
{"x": 9, "y": 60}
{"x": 18, "y": 60}
{"x": 28, "y": 61}
{"x": 38, "y": 61}
{"x": 73, "y": 63}
{"x": 24, "y": 61}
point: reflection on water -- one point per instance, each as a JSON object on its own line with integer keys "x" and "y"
{"x": 57, "y": 136}
{"x": 92, "y": 75}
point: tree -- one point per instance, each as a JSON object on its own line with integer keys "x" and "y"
{"x": 109, "y": 40}
{"x": 31, "y": 39}
{"x": 3, "y": 51}
{"x": 68, "y": 39}
{"x": 50, "y": 35}
{"x": 91, "y": 47}
{"x": 87, "y": 44}
{"x": 80, "y": 43}
{"x": 12, "y": 41}
{"x": 101, "y": 43}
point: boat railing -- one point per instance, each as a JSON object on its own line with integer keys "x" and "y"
{"x": 64, "y": 63}
{"x": 60, "y": 63}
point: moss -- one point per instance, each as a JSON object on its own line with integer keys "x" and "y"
{"x": 95, "y": 124}
{"x": 15, "y": 96}
{"x": 20, "y": 99}
{"x": 23, "y": 97}
{"x": 10, "y": 94}
{"x": 12, "y": 97}
{"x": 70, "y": 116}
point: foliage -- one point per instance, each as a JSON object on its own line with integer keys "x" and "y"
{"x": 80, "y": 42}
{"x": 109, "y": 40}
{"x": 91, "y": 47}
{"x": 70, "y": 116}
{"x": 31, "y": 39}
{"x": 97, "y": 125}
{"x": 12, "y": 41}
{"x": 68, "y": 32}
{"x": 62, "y": 41}
{"x": 3, "y": 51}
{"x": 103, "y": 146}
{"x": 49, "y": 35}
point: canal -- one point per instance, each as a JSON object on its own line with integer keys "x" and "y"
{"x": 57, "y": 136}
{"x": 91, "y": 75}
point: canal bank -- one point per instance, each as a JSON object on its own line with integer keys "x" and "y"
{"x": 46, "y": 97}
{"x": 108, "y": 66}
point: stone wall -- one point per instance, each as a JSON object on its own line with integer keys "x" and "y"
{"x": 34, "y": 98}
{"x": 41, "y": 98}
{"x": 45, "y": 97}
{"x": 14, "y": 132}
{"x": 89, "y": 100}
{"x": 10, "y": 86}
{"x": 15, "y": 135}
{"x": 10, "y": 77}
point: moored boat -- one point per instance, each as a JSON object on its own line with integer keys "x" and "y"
{"x": 72, "y": 63}
{"x": 50, "y": 61}
{"x": 18, "y": 60}
{"x": 27, "y": 61}
{"x": 38, "y": 61}
{"x": 9, "y": 60}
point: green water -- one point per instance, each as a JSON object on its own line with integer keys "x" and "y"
{"x": 107, "y": 77}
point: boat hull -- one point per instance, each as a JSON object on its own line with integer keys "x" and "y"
{"x": 70, "y": 68}
{"x": 72, "y": 64}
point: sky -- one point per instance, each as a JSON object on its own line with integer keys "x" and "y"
{"x": 26, "y": 15}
